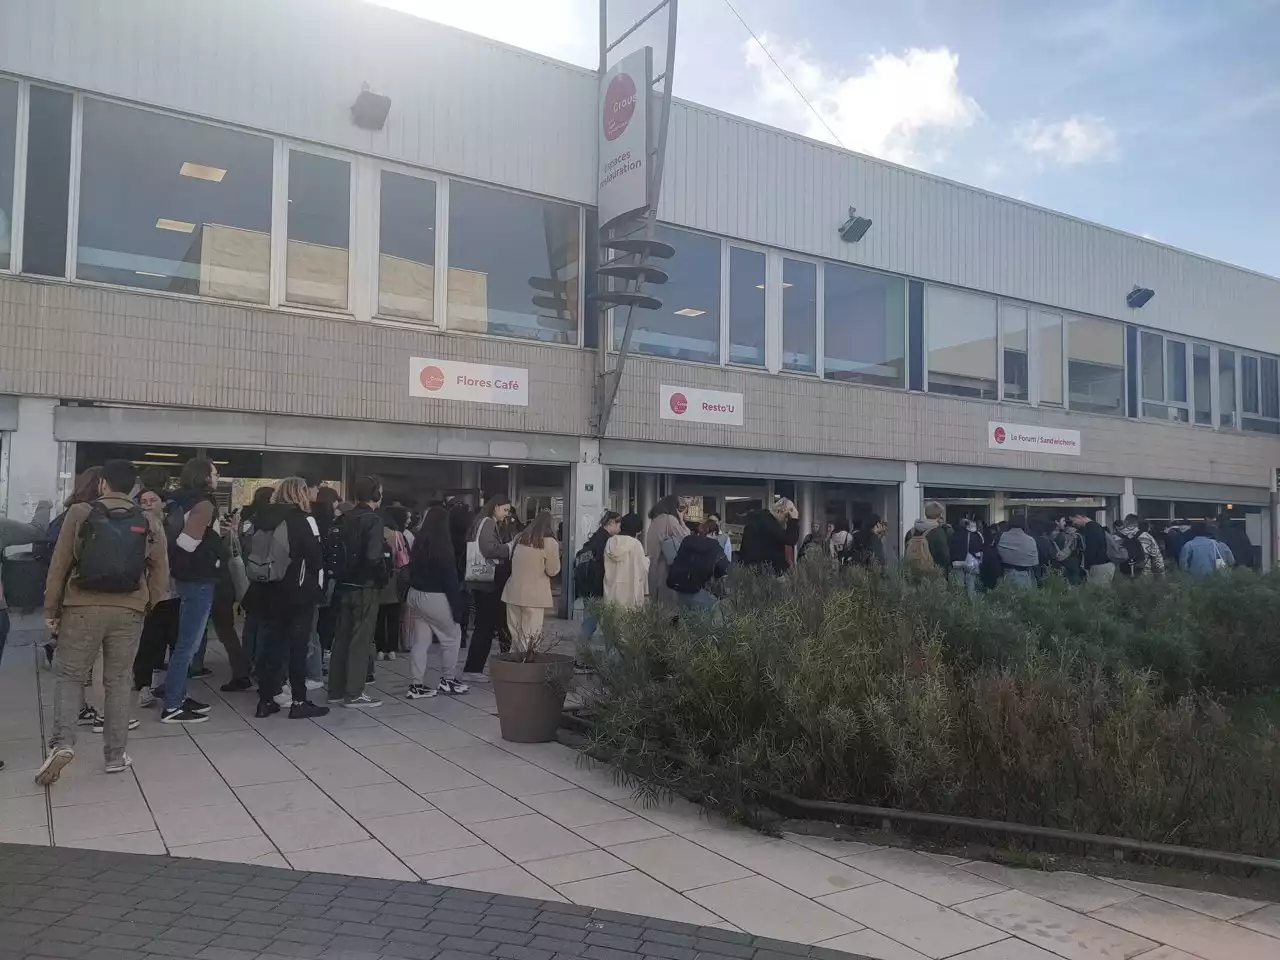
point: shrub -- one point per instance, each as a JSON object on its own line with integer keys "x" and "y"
{"x": 1073, "y": 708}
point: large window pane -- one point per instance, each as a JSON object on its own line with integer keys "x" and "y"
{"x": 44, "y": 220}
{"x": 171, "y": 204}
{"x": 1270, "y": 388}
{"x": 687, "y": 325}
{"x": 1095, "y": 365}
{"x": 319, "y": 230}
{"x": 962, "y": 343}
{"x": 1226, "y": 388}
{"x": 1176, "y": 352}
{"x": 1152, "y": 366}
{"x": 1201, "y": 383}
{"x": 1249, "y": 384}
{"x": 746, "y": 306}
{"x": 1049, "y": 330}
{"x": 406, "y": 247}
{"x": 1013, "y": 321}
{"x": 513, "y": 265}
{"x": 799, "y": 316}
{"x": 864, "y": 326}
{"x": 8, "y": 133}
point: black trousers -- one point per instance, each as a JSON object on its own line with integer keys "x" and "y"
{"x": 491, "y": 621}
{"x": 326, "y": 623}
{"x": 386, "y": 636}
{"x": 159, "y": 634}
{"x": 282, "y": 643}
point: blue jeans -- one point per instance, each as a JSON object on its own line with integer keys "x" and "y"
{"x": 4, "y": 629}
{"x": 1020, "y": 578}
{"x": 193, "y": 617}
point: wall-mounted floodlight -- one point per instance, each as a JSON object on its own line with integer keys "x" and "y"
{"x": 370, "y": 109}
{"x": 1138, "y": 297}
{"x": 855, "y": 228}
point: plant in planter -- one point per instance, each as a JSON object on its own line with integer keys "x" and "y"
{"x": 530, "y": 684}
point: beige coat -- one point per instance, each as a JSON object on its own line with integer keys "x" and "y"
{"x": 626, "y": 572}
{"x": 531, "y": 573}
{"x": 665, "y": 526}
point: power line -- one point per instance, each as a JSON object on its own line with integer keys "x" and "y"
{"x": 821, "y": 119}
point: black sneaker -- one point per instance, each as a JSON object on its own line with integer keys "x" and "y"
{"x": 195, "y": 706}
{"x": 452, "y": 688}
{"x": 306, "y": 711}
{"x": 418, "y": 691}
{"x": 48, "y": 654}
{"x": 266, "y": 708}
{"x": 88, "y": 717}
{"x": 182, "y": 716}
{"x": 100, "y": 724}
{"x": 369, "y": 678}
{"x": 236, "y": 684}
{"x": 199, "y": 674}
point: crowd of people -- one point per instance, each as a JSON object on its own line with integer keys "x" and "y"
{"x": 140, "y": 568}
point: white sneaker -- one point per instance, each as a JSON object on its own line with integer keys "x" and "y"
{"x": 419, "y": 691}
{"x": 391, "y": 655}
{"x": 475, "y": 678}
{"x": 146, "y": 698}
{"x": 51, "y": 769}
{"x": 284, "y": 698}
{"x": 121, "y": 765}
{"x": 313, "y": 685}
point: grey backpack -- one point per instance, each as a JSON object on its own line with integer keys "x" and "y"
{"x": 267, "y": 558}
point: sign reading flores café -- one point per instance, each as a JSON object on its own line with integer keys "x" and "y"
{"x": 468, "y": 382}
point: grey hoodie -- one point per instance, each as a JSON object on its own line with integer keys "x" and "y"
{"x": 1018, "y": 548}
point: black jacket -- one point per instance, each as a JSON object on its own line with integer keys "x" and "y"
{"x": 205, "y": 563}
{"x": 698, "y": 561}
{"x": 765, "y": 541}
{"x": 1095, "y": 545}
{"x": 362, "y": 547}
{"x": 301, "y": 586}
{"x": 429, "y": 574}
{"x": 1237, "y": 540}
{"x": 596, "y": 544}
{"x": 965, "y": 542}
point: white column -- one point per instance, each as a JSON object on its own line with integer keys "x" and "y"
{"x": 588, "y": 497}
{"x": 807, "y": 495}
{"x": 648, "y": 495}
{"x": 33, "y": 459}
{"x": 999, "y": 512}
{"x": 909, "y": 503}
{"x": 1128, "y": 502}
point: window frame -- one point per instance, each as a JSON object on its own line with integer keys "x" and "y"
{"x": 1241, "y": 413}
{"x": 925, "y": 348}
{"x": 356, "y": 284}
{"x": 778, "y": 325}
{"x": 18, "y": 201}
{"x": 906, "y": 327}
{"x": 772, "y": 318}
{"x": 440, "y": 293}
{"x": 1166, "y": 377}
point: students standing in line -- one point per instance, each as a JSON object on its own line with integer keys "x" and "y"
{"x": 661, "y": 544}
{"x": 109, "y": 565}
{"x": 588, "y": 569}
{"x": 485, "y": 587}
{"x": 626, "y": 568}
{"x": 362, "y": 572}
{"x": 197, "y": 554}
{"x": 160, "y": 628}
{"x": 285, "y": 566}
{"x": 534, "y": 562}
{"x": 387, "y": 633}
{"x": 434, "y": 596}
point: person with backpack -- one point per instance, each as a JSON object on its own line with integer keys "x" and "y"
{"x": 662, "y": 539}
{"x": 1068, "y": 551}
{"x": 1144, "y": 557}
{"x": 486, "y": 571}
{"x": 927, "y": 548}
{"x": 284, "y": 563}
{"x": 362, "y": 569}
{"x": 966, "y": 556}
{"x": 699, "y": 562}
{"x": 588, "y": 569}
{"x": 386, "y": 635}
{"x": 844, "y": 547}
{"x": 1098, "y": 553}
{"x": 109, "y": 566}
{"x": 197, "y": 554}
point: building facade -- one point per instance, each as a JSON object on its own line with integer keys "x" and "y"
{"x": 201, "y": 251}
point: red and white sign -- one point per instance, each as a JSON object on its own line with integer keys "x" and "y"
{"x": 623, "y": 181}
{"x": 701, "y": 406}
{"x": 469, "y": 382}
{"x": 1028, "y": 439}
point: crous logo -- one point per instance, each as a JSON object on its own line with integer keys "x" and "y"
{"x": 619, "y": 105}
{"x": 679, "y": 404}
{"x": 432, "y": 378}
{"x": 999, "y": 435}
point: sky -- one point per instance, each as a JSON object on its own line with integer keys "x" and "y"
{"x": 1157, "y": 117}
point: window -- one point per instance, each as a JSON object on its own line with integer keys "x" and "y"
{"x": 1202, "y": 383}
{"x": 44, "y": 219}
{"x": 864, "y": 326}
{"x": 1226, "y": 388}
{"x": 1049, "y": 344}
{"x": 799, "y": 315}
{"x": 746, "y": 306}
{"x": 1260, "y": 394}
{"x": 171, "y": 204}
{"x": 318, "y": 256}
{"x": 687, "y": 325}
{"x": 8, "y": 134}
{"x": 1164, "y": 378}
{"x": 406, "y": 247}
{"x": 962, "y": 343}
{"x": 1013, "y": 323}
{"x": 513, "y": 265}
{"x": 1249, "y": 384}
{"x": 1095, "y": 365}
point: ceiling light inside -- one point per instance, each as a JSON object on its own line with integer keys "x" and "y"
{"x": 202, "y": 172}
{"x": 177, "y": 226}
{"x": 690, "y": 312}
{"x": 502, "y": 466}
{"x": 155, "y": 453}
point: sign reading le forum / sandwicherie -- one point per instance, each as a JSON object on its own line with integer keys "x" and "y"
{"x": 701, "y": 406}
{"x": 623, "y": 182}
{"x": 1021, "y": 437}
{"x": 469, "y": 382}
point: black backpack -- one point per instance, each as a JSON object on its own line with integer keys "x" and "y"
{"x": 113, "y": 549}
{"x": 349, "y": 563}
{"x": 1137, "y": 555}
{"x": 691, "y": 570}
{"x": 588, "y": 575}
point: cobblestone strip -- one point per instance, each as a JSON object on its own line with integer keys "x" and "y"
{"x": 59, "y": 902}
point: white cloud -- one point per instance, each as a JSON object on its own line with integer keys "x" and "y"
{"x": 900, "y": 107}
{"x": 1076, "y": 140}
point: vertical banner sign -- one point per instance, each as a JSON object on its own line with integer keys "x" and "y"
{"x": 624, "y": 137}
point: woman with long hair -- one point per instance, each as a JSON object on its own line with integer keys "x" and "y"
{"x": 626, "y": 568}
{"x": 434, "y": 594}
{"x": 287, "y": 604}
{"x": 661, "y": 544}
{"x": 486, "y": 586}
{"x": 534, "y": 562}
{"x": 386, "y": 634}
{"x": 325, "y": 512}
